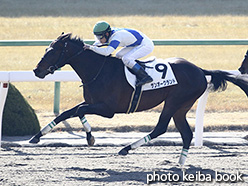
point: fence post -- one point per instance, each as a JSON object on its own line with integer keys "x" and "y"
{"x": 56, "y": 97}
{"x": 3, "y": 94}
{"x": 200, "y": 110}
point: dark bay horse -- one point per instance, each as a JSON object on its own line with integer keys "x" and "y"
{"x": 244, "y": 65}
{"x": 107, "y": 92}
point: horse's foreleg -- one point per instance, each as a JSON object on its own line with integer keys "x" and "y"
{"x": 100, "y": 109}
{"x": 87, "y": 128}
{"x": 73, "y": 113}
{"x": 63, "y": 116}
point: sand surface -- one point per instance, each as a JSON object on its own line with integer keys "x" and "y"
{"x": 102, "y": 166}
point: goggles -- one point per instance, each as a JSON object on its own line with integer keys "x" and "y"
{"x": 100, "y": 37}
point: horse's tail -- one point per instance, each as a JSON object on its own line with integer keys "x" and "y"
{"x": 219, "y": 78}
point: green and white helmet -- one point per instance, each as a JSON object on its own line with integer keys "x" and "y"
{"x": 101, "y": 28}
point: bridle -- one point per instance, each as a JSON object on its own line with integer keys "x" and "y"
{"x": 52, "y": 68}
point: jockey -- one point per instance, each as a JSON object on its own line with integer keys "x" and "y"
{"x": 135, "y": 45}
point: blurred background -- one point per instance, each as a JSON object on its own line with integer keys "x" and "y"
{"x": 158, "y": 19}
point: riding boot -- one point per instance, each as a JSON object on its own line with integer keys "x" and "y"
{"x": 142, "y": 76}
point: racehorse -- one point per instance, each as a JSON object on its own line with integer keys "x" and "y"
{"x": 106, "y": 90}
{"x": 244, "y": 65}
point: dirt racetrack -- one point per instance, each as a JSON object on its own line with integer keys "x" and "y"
{"x": 102, "y": 166}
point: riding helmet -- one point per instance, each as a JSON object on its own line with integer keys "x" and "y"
{"x": 101, "y": 28}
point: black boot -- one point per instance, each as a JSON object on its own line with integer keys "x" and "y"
{"x": 142, "y": 76}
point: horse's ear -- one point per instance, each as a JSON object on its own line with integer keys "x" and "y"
{"x": 67, "y": 35}
{"x": 64, "y": 36}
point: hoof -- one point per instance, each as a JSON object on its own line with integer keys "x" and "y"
{"x": 91, "y": 141}
{"x": 123, "y": 152}
{"x": 34, "y": 140}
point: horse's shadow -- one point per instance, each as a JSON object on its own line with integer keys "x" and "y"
{"x": 110, "y": 175}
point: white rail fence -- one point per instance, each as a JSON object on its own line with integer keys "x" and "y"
{"x": 65, "y": 76}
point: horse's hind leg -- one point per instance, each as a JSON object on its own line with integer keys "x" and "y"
{"x": 185, "y": 131}
{"x": 161, "y": 127}
{"x": 63, "y": 116}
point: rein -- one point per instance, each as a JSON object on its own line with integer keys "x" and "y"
{"x": 56, "y": 66}
{"x": 96, "y": 76}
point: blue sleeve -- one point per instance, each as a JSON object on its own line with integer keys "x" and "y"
{"x": 114, "y": 44}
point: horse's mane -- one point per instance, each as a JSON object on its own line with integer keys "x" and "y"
{"x": 78, "y": 41}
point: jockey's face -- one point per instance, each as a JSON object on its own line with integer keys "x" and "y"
{"x": 104, "y": 39}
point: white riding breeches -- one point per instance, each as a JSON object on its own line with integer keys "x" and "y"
{"x": 130, "y": 54}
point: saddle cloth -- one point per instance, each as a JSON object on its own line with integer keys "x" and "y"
{"x": 161, "y": 72}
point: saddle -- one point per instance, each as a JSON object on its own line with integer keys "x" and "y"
{"x": 161, "y": 73}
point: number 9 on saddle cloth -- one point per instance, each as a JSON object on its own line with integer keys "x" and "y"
{"x": 162, "y": 74}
